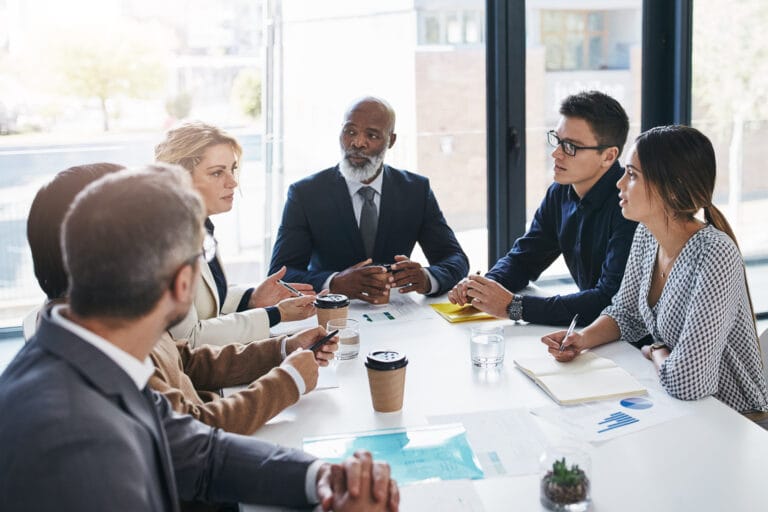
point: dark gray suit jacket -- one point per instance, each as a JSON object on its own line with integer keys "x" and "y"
{"x": 76, "y": 434}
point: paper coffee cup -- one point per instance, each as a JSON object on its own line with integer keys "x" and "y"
{"x": 386, "y": 379}
{"x": 330, "y": 307}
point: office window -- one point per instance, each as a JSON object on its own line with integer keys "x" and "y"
{"x": 729, "y": 87}
{"x": 567, "y": 52}
{"x": 84, "y": 82}
{"x": 438, "y": 94}
{"x": 451, "y": 27}
{"x": 584, "y": 40}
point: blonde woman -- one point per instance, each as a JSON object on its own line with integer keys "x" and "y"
{"x": 224, "y": 313}
{"x": 684, "y": 283}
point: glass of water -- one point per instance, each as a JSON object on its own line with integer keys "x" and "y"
{"x": 349, "y": 337}
{"x": 486, "y": 343}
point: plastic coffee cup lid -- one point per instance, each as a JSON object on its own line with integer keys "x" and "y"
{"x": 385, "y": 360}
{"x": 332, "y": 301}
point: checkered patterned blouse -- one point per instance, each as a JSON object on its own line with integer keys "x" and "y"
{"x": 703, "y": 315}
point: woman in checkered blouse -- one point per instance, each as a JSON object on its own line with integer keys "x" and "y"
{"x": 684, "y": 283}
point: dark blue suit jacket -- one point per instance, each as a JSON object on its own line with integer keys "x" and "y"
{"x": 76, "y": 434}
{"x": 319, "y": 234}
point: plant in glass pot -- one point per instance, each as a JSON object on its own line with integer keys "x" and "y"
{"x": 564, "y": 488}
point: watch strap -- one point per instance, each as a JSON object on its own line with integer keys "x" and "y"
{"x": 515, "y": 308}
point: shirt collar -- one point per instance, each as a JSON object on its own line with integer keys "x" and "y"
{"x": 376, "y": 184}
{"x": 209, "y": 227}
{"x": 138, "y": 372}
{"x": 604, "y": 189}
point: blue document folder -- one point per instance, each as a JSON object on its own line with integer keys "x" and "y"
{"x": 435, "y": 452}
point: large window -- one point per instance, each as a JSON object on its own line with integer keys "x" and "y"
{"x": 451, "y": 27}
{"x": 84, "y": 81}
{"x": 730, "y": 81}
{"x": 586, "y": 39}
{"x": 566, "y": 52}
{"x": 334, "y": 53}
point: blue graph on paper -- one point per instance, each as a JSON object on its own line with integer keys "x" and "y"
{"x": 616, "y": 420}
{"x": 637, "y": 403}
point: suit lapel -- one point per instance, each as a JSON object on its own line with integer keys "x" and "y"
{"x": 343, "y": 201}
{"x": 205, "y": 272}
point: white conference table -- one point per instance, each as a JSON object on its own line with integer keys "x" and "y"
{"x": 712, "y": 459}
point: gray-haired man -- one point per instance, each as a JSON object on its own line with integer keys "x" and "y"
{"x": 80, "y": 429}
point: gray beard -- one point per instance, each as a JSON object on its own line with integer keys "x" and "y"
{"x": 363, "y": 173}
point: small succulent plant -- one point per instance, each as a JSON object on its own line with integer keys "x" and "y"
{"x": 561, "y": 475}
{"x": 563, "y": 485}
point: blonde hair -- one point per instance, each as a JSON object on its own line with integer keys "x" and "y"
{"x": 185, "y": 144}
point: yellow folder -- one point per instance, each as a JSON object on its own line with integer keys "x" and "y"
{"x": 455, "y": 313}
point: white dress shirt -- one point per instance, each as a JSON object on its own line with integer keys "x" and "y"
{"x": 138, "y": 371}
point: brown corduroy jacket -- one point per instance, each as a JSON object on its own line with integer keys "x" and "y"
{"x": 191, "y": 377}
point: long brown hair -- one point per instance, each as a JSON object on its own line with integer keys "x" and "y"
{"x": 679, "y": 163}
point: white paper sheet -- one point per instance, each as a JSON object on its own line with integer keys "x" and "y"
{"x": 506, "y": 442}
{"x": 608, "y": 419}
{"x": 402, "y": 307}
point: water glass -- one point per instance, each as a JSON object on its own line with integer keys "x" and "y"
{"x": 349, "y": 337}
{"x": 486, "y": 344}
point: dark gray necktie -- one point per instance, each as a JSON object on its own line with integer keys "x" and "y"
{"x": 369, "y": 219}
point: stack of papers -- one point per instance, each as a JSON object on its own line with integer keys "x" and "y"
{"x": 455, "y": 313}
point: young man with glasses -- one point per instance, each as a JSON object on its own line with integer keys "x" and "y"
{"x": 579, "y": 218}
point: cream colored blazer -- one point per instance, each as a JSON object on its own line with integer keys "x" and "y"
{"x": 203, "y": 325}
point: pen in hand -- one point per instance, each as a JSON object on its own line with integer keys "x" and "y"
{"x": 294, "y": 291}
{"x": 319, "y": 343}
{"x": 570, "y": 331}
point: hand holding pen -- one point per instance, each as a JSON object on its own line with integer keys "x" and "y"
{"x": 294, "y": 291}
{"x": 556, "y": 343}
{"x": 569, "y": 331}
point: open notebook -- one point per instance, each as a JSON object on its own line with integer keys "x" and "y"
{"x": 586, "y": 378}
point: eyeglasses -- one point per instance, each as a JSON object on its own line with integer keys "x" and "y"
{"x": 569, "y": 148}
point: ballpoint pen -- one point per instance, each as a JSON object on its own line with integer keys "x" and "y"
{"x": 290, "y": 288}
{"x": 570, "y": 330}
{"x": 323, "y": 340}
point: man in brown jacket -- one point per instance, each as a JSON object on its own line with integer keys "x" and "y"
{"x": 276, "y": 372}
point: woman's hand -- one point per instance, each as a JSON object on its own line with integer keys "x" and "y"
{"x": 270, "y": 291}
{"x": 296, "y": 308}
{"x": 564, "y": 349}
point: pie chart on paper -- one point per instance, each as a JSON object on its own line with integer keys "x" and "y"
{"x": 636, "y": 403}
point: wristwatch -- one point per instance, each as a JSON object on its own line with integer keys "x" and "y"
{"x": 657, "y": 345}
{"x": 515, "y": 308}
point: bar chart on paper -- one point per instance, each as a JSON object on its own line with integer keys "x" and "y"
{"x": 607, "y": 419}
{"x": 616, "y": 420}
